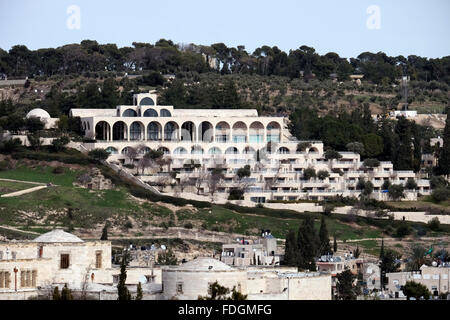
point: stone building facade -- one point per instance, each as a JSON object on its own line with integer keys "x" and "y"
{"x": 232, "y": 139}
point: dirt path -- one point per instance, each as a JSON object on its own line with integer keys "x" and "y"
{"x": 18, "y": 230}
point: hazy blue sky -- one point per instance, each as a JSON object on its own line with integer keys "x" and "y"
{"x": 406, "y": 26}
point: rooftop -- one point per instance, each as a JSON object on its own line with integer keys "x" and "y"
{"x": 57, "y": 235}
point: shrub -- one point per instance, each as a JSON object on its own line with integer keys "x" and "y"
{"x": 403, "y": 230}
{"x": 411, "y": 184}
{"x": 58, "y": 170}
{"x": 371, "y": 163}
{"x": 322, "y": 174}
{"x": 188, "y": 225}
{"x": 236, "y": 194}
{"x": 440, "y": 194}
{"x": 99, "y": 154}
{"x": 309, "y": 173}
{"x": 434, "y": 224}
{"x": 128, "y": 224}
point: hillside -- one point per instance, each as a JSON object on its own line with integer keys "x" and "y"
{"x": 85, "y": 212}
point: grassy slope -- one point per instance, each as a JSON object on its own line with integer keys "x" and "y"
{"x": 10, "y": 186}
{"x": 90, "y": 208}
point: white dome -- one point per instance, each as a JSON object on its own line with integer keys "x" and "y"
{"x": 57, "y": 235}
{"x": 38, "y": 113}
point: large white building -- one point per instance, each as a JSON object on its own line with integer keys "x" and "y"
{"x": 233, "y": 138}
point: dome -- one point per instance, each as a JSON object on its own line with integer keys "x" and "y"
{"x": 205, "y": 264}
{"x": 57, "y": 235}
{"x": 38, "y": 113}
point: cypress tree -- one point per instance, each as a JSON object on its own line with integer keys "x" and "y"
{"x": 66, "y": 293}
{"x": 334, "y": 244}
{"x": 291, "y": 249}
{"x": 325, "y": 247}
{"x": 56, "y": 295}
{"x": 139, "y": 293}
{"x": 104, "y": 233}
{"x": 307, "y": 245}
{"x": 382, "y": 271}
{"x": 444, "y": 157}
{"x": 403, "y": 158}
{"x": 122, "y": 290}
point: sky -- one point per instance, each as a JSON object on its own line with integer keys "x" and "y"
{"x": 347, "y": 27}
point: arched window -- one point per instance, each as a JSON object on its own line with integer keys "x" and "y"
{"x": 164, "y": 150}
{"x": 256, "y": 132}
{"x": 120, "y": 131}
{"x": 222, "y": 132}
{"x": 283, "y": 150}
{"x": 150, "y": 113}
{"x": 273, "y": 132}
{"x": 111, "y": 150}
{"x": 147, "y": 102}
{"x": 136, "y": 131}
{"x": 239, "y": 132}
{"x": 154, "y": 131}
{"x": 214, "y": 150}
{"x": 102, "y": 131}
{"x": 180, "y": 150}
{"x": 129, "y": 113}
{"x": 171, "y": 131}
{"x": 197, "y": 150}
{"x": 232, "y": 150}
{"x": 165, "y": 113}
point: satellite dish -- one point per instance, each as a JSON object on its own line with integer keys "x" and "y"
{"x": 163, "y": 247}
{"x": 143, "y": 279}
{"x": 434, "y": 263}
{"x": 152, "y": 247}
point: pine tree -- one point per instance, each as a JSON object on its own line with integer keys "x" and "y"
{"x": 122, "y": 290}
{"x": 307, "y": 245}
{"x": 104, "y": 233}
{"x": 56, "y": 295}
{"x": 291, "y": 250}
{"x": 444, "y": 157}
{"x": 325, "y": 247}
{"x": 139, "y": 293}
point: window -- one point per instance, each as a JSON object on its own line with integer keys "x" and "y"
{"x": 40, "y": 251}
{"x": 14, "y": 255}
{"x": 98, "y": 259}
{"x": 180, "y": 287}
{"x": 5, "y": 279}
{"x": 64, "y": 261}
{"x": 1, "y": 255}
{"x": 116, "y": 278}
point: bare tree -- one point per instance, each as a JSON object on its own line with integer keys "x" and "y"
{"x": 215, "y": 179}
{"x": 131, "y": 154}
{"x": 202, "y": 177}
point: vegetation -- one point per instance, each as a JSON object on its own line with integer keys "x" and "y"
{"x": 346, "y": 288}
{"x": 416, "y": 290}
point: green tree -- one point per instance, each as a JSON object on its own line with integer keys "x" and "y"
{"x": 309, "y": 173}
{"x": 244, "y": 172}
{"x": 139, "y": 293}
{"x": 291, "y": 249}
{"x": 444, "y": 155}
{"x": 389, "y": 264}
{"x": 167, "y": 258}
{"x": 122, "y": 290}
{"x": 416, "y": 290}
{"x": 331, "y": 154}
{"x": 323, "y": 174}
{"x": 346, "y": 288}
{"x": 396, "y": 191}
{"x": 216, "y": 292}
{"x": 356, "y": 147}
{"x": 104, "y": 233}
{"x": 334, "y": 244}
{"x": 56, "y": 295}
{"x": 411, "y": 184}
{"x": 325, "y": 247}
{"x": 357, "y": 252}
{"x": 98, "y": 154}
{"x": 307, "y": 244}
{"x": 417, "y": 258}
{"x": 66, "y": 293}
